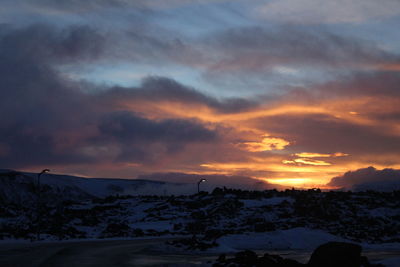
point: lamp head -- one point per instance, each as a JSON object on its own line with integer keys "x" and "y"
{"x": 202, "y": 180}
{"x": 45, "y": 170}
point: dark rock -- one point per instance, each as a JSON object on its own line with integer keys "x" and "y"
{"x": 221, "y": 258}
{"x": 269, "y": 260}
{"x": 177, "y": 226}
{"x": 138, "y": 232}
{"x": 335, "y": 254}
{"x": 290, "y": 263}
{"x": 249, "y": 258}
{"x": 116, "y": 230}
{"x": 213, "y": 234}
{"x": 246, "y": 257}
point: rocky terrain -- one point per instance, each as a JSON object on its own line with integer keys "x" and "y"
{"x": 372, "y": 217}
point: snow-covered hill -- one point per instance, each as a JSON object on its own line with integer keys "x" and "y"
{"x": 21, "y": 187}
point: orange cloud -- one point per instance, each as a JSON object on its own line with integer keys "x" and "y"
{"x": 307, "y": 162}
{"x": 319, "y": 155}
{"x": 329, "y": 118}
{"x": 246, "y": 125}
{"x": 267, "y": 143}
{"x": 312, "y": 162}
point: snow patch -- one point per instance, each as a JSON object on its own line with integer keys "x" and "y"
{"x": 255, "y": 203}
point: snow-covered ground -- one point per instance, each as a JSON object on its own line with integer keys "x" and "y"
{"x": 298, "y": 244}
{"x": 390, "y": 262}
{"x": 295, "y": 244}
{"x": 353, "y": 216}
{"x": 225, "y": 220}
{"x": 291, "y": 239}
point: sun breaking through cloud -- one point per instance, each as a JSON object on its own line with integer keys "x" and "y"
{"x": 277, "y": 91}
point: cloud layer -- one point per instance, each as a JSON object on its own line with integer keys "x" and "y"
{"x": 336, "y": 11}
{"x": 254, "y": 97}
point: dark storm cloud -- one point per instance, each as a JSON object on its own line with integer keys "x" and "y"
{"x": 33, "y": 92}
{"x": 147, "y": 141}
{"x": 45, "y": 43}
{"x": 166, "y": 89}
{"x": 126, "y": 127}
{"x": 49, "y": 119}
{"x": 37, "y": 105}
{"x": 368, "y": 178}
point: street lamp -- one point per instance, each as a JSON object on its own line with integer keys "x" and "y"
{"x": 38, "y": 203}
{"x": 198, "y": 184}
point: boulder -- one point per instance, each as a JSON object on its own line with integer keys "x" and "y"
{"x": 247, "y": 258}
{"x": 335, "y": 254}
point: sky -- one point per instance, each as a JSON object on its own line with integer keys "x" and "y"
{"x": 292, "y": 92}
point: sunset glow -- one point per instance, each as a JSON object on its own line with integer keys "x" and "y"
{"x": 202, "y": 87}
{"x": 291, "y": 181}
{"x": 267, "y": 143}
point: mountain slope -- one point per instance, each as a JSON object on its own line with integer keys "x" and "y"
{"x": 21, "y": 187}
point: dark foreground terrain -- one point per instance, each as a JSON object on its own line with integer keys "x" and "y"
{"x": 146, "y": 252}
{"x": 372, "y": 217}
{"x": 199, "y": 227}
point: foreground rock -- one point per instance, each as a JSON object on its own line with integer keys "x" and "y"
{"x": 250, "y": 258}
{"x": 331, "y": 254}
{"x": 334, "y": 254}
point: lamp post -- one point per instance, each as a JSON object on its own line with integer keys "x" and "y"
{"x": 198, "y": 184}
{"x": 39, "y": 204}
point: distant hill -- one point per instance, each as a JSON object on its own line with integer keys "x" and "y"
{"x": 21, "y": 186}
{"x": 18, "y": 186}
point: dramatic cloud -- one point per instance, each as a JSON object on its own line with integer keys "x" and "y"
{"x": 262, "y": 59}
{"x": 317, "y": 155}
{"x": 308, "y": 162}
{"x": 368, "y": 179}
{"x": 53, "y": 120}
{"x": 40, "y": 105}
{"x": 44, "y": 43}
{"x": 121, "y": 88}
{"x": 267, "y": 143}
{"x": 127, "y": 127}
{"x": 163, "y": 90}
{"x": 134, "y": 135}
